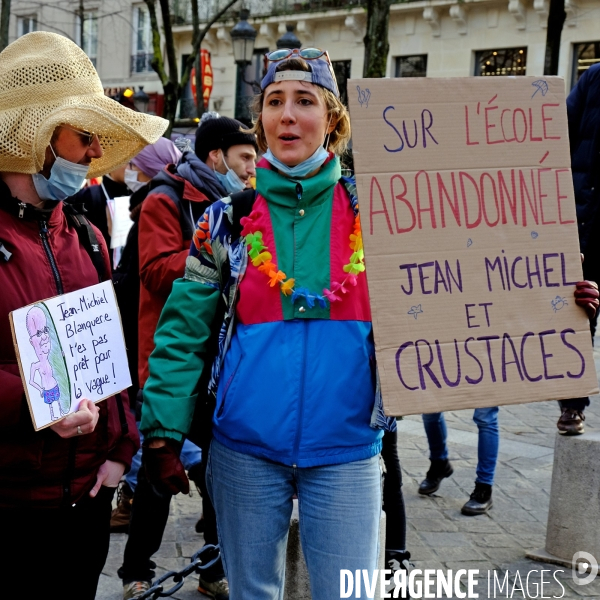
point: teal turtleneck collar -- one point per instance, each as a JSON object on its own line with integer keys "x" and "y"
{"x": 290, "y": 193}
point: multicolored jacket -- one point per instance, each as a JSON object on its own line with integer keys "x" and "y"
{"x": 294, "y": 383}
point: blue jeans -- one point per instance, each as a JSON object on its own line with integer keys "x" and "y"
{"x": 486, "y": 420}
{"x": 190, "y": 455}
{"x": 339, "y": 506}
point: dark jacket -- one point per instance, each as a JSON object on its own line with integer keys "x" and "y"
{"x": 40, "y": 468}
{"x": 583, "y": 108}
{"x": 178, "y": 198}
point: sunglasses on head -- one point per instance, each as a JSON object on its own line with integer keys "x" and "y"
{"x": 305, "y": 53}
{"x": 89, "y": 137}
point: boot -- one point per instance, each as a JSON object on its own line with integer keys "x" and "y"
{"x": 571, "y": 422}
{"x": 480, "y": 501}
{"x": 439, "y": 469}
{"x": 119, "y": 518}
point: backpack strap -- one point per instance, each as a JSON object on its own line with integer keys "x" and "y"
{"x": 88, "y": 239}
{"x": 241, "y": 203}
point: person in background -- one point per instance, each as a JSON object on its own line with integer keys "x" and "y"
{"x": 57, "y": 484}
{"x": 179, "y": 195}
{"x": 95, "y": 200}
{"x": 583, "y": 113}
{"x": 126, "y": 279}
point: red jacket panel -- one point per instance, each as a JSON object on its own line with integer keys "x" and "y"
{"x": 163, "y": 250}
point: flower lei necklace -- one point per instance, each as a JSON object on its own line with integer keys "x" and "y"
{"x": 262, "y": 259}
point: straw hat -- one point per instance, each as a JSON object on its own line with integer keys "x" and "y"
{"x": 45, "y": 81}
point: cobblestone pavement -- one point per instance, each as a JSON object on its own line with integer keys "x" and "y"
{"x": 439, "y": 537}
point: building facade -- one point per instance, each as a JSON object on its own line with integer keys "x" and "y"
{"x": 116, "y": 36}
{"x": 433, "y": 38}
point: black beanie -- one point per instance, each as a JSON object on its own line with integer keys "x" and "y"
{"x": 216, "y": 132}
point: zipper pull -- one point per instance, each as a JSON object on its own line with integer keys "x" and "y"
{"x": 299, "y": 191}
{"x": 22, "y": 207}
{"x": 43, "y": 229}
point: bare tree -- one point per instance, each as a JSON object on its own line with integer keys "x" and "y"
{"x": 376, "y": 40}
{"x": 556, "y": 20}
{"x": 4, "y": 22}
{"x": 173, "y": 86}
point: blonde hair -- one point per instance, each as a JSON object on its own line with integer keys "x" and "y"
{"x": 336, "y": 111}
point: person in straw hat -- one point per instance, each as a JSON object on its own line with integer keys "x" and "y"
{"x": 57, "y": 484}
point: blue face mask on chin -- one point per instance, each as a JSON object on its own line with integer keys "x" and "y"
{"x": 312, "y": 163}
{"x": 230, "y": 181}
{"x": 66, "y": 179}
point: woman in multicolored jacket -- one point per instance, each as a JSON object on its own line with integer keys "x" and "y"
{"x": 297, "y": 411}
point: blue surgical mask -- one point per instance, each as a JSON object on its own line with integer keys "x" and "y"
{"x": 66, "y": 179}
{"x": 230, "y": 181}
{"x": 312, "y": 163}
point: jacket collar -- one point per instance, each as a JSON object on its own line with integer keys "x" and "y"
{"x": 27, "y": 212}
{"x": 291, "y": 193}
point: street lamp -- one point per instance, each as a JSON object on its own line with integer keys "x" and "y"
{"x": 141, "y": 100}
{"x": 243, "y": 36}
{"x": 289, "y": 39}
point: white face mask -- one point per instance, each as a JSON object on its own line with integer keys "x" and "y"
{"x": 131, "y": 180}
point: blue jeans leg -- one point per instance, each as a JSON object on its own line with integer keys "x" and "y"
{"x": 437, "y": 434}
{"x": 486, "y": 420}
{"x": 191, "y": 455}
{"x": 339, "y": 508}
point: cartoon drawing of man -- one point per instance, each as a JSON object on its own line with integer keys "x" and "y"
{"x": 39, "y": 336}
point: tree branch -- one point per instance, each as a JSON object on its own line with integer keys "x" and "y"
{"x": 170, "y": 45}
{"x": 157, "y": 62}
{"x": 185, "y": 77}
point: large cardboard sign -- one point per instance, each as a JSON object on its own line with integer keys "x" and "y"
{"x": 470, "y": 237}
{"x": 70, "y": 347}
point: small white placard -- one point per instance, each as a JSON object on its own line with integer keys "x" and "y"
{"x": 121, "y": 223}
{"x": 70, "y": 347}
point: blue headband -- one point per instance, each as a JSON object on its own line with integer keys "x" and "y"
{"x": 320, "y": 74}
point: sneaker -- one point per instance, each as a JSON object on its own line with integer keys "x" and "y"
{"x": 398, "y": 561}
{"x": 480, "y": 501}
{"x": 135, "y": 589}
{"x": 219, "y": 590}
{"x": 119, "y": 518}
{"x": 438, "y": 470}
{"x": 571, "y": 422}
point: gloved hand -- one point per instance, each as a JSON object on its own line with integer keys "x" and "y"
{"x": 164, "y": 469}
{"x": 586, "y": 296}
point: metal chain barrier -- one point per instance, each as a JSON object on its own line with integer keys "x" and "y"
{"x": 204, "y": 559}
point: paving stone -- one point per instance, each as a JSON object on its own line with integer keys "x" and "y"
{"x": 514, "y": 515}
{"x": 497, "y": 540}
{"x": 459, "y": 554}
{"x": 434, "y": 525}
{"x": 438, "y": 540}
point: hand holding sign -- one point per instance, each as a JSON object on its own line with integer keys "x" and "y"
{"x": 586, "y": 296}
{"x": 78, "y": 423}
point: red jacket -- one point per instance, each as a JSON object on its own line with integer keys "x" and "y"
{"x": 166, "y": 227}
{"x": 41, "y": 468}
